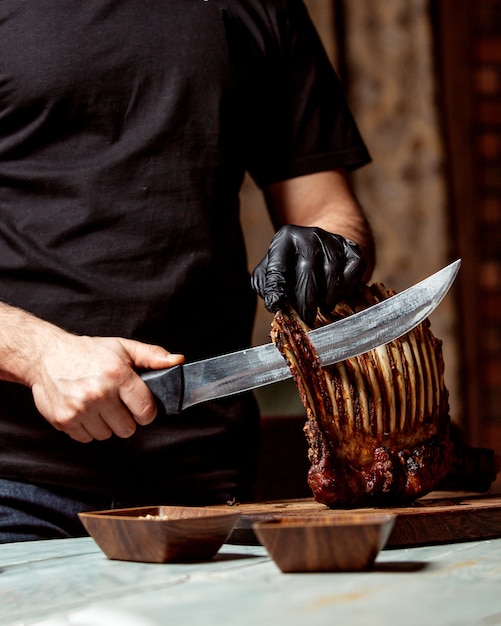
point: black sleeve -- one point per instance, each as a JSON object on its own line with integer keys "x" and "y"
{"x": 300, "y": 122}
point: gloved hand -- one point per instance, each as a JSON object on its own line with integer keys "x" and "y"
{"x": 308, "y": 268}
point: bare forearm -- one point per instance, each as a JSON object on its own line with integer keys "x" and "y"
{"x": 23, "y": 340}
{"x": 325, "y": 200}
{"x": 352, "y": 224}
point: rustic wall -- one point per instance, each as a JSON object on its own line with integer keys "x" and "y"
{"x": 486, "y": 157}
{"x": 390, "y": 80}
{"x": 470, "y": 35}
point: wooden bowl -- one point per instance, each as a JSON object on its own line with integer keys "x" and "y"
{"x": 335, "y": 542}
{"x": 160, "y": 534}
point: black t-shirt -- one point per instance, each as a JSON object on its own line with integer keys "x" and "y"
{"x": 125, "y": 132}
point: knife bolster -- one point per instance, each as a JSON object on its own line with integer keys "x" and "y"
{"x": 167, "y": 386}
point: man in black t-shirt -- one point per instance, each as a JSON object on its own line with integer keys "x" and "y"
{"x": 125, "y": 132}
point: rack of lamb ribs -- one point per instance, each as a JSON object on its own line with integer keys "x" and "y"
{"x": 378, "y": 425}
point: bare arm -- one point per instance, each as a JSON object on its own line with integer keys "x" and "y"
{"x": 324, "y": 199}
{"x": 84, "y": 386}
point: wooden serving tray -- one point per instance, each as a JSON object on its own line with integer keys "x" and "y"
{"x": 439, "y": 517}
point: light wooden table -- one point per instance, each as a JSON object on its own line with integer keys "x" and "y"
{"x": 70, "y": 581}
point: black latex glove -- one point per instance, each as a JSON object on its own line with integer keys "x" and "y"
{"x": 308, "y": 268}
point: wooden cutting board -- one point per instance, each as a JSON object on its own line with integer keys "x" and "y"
{"x": 440, "y": 517}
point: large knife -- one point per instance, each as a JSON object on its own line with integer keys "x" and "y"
{"x": 181, "y": 386}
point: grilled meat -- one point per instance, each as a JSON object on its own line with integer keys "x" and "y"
{"x": 378, "y": 425}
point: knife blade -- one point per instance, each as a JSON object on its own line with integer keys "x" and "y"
{"x": 182, "y": 386}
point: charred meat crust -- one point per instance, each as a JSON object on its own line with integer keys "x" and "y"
{"x": 378, "y": 425}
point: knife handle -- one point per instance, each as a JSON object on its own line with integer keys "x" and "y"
{"x": 168, "y": 388}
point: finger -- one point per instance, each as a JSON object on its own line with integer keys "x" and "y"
{"x": 306, "y": 297}
{"x": 133, "y": 392}
{"x": 311, "y": 286}
{"x": 79, "y": 425}
{"x": 79, "y": 433}
{"x": 105, "y": 416}
{"x": 333, "y": 254}
{"x": 268, "y": 285}
{"x": 279, "y": 260}
{"x": 149, "y": 356}
{"x": 332, "y": 288}
{"x": 97, "y": 428}
{"x": 113, "y": 419}
{"x": 275, "y": 292}
{"x": 258, "y": 278}
{"x": 138, "y": 400}
{"x": 355, "y": 266}
{"x": 91, "y": 426}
